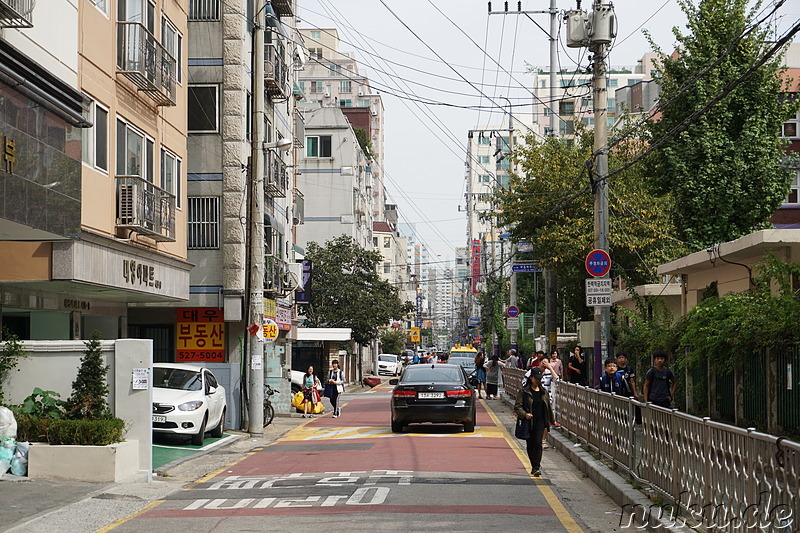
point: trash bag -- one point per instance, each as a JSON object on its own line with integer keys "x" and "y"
{"x": 318, "y": 408}
{"x": 7, "y": 449}
{"x": 297, "y": 400}
{"x": 8, "y": 424}
{"x": 19, "y": 464}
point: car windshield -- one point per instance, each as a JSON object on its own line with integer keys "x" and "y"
{"x": 390, "y": 358}
{"x": 436, "y": 374}
{"x": 177, "y": 378}
{"x": 466, "y": 362}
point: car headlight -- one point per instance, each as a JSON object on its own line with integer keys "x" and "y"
{"x": 190, "y": 406}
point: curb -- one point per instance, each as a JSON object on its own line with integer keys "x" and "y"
{"x": 219, "y": 444}
{"x": 617, "y": 488}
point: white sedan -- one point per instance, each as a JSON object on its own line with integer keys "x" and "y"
{"x": 389, "y": 364}
{"x": 187, "y": 400}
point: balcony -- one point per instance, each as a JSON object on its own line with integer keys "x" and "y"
{"x": 145, "y": 62}
{"x": 145, "y": 208}
{"x": 16, "y": 13}
{"x": 275, "y": 182}
{"x": 275, "y": 73}
{"x": 283, "y": 8}
{"x": 274, "y": 277}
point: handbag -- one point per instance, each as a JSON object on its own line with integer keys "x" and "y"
{"x": 328, "y": 392}
{"x": 473, "y": 378}
{"x": 523, "y": 429}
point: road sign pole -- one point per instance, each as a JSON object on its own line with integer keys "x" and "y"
{"x": 513, "y": 298}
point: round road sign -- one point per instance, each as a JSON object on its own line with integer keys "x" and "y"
{"x": 598, "y": 263}
{"x": 512, "y": 311}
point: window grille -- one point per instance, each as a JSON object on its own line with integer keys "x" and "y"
{"x": 200, "y": 10}
{"x": 203, "y": 230}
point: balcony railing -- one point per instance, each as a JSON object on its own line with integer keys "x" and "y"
{"x": 274, "y": 280}
{"x": 144, "y": 61}
{"x": 275, "y": 73}
{"x": 275, "y": 181}
{"x": 16, "y": 13}
{"x": 145, "y": 208}
{"x": 283, "y": 8}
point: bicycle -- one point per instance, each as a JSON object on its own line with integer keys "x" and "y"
{"x": 269, "y": 411}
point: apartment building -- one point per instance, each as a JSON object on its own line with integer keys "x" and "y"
{"x": 331, "y": 78}
{"x": 94, "y": 175}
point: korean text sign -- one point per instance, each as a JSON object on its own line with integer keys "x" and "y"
{"x": 200, "y": 334}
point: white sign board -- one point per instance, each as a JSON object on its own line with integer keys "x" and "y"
{"x": 141, "y": 378}
{"x": 604, "y": 300}
{"x": 512, "y": 322}
{"x": 598, "y": 286}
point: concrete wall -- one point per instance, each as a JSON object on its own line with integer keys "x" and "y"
{"x": 53, "y": 365}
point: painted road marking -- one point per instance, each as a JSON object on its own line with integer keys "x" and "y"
{"x": 360, "y": 432}
{"x": 552, "y": 500}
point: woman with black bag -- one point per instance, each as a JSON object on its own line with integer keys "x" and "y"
{"x": 534, "y": 415}
{"x": 335, "y": 386}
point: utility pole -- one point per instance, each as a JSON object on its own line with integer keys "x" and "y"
{"x": 255, "y": 368}
{"x": 596, "y": 31}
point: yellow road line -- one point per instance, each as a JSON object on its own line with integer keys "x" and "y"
{"x": 121, "y": 521}
{"x": 552, "y": 500}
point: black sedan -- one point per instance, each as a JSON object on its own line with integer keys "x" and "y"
{"x": 438, "y": 393}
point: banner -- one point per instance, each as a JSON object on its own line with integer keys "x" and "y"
{"x": 476, "y": 265}
{"x": 200, "y": 334}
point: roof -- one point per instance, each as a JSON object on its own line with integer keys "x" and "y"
{"x": 326, "y": 117}
{"x": 383, "y": 227}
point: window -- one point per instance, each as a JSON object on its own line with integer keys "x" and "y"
{"x": 613, "y": 83}
{"x": 568, "y": 83}
{"x": 375, "y": 242}
{"x": 589, "y": 121}
{"x": 483, "y": 159}
{"x": 543, "y": 84}
{"x": 345, "y": 102}
{"x": 503, "y": 142}
{"x": 202, "y": 10}
{"x": 789, "y": 129}
{"x": 171, "y": 175}
{"x": 318, "y": 146}
{"x": 387, "y": 267}
{"x": 387, "y": 242}
{"x": 172, "y": 41}
{"x": 336, "y": 70}
{"x": 503, "y": 164}
{"x": 102, "y": 5}
{"x": 315, "y": 53}
{"x": 482, "y": 139}
{"x": 566, "y": 127}
{"x": 138, "y": 11}
{"x": 345, "y": 86}
{"x": 547, "y": 111}
{"x": 316, "y": 87}
{"x": 134, "y": 152}
{"x": 203, "y": 223}
{"x": 95, "y": 139}
{"x": 632, "y": 82}
{"x": 362, "y": 102}
{"x": 566, "y": 107}
{"x": 484, "y": 178}
{"x": 203, "y": 107}
{"x": 794, "y": 190}
{"x": 302, "y": 86}
{"x": 612, "y": 105}
{"x": 315, "y": 35}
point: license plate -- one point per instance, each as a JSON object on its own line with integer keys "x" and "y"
{"x": 430, "y": 395}
{"x": 159, "y": 419}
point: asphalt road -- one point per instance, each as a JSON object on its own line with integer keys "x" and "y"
{"x": 353, "y": 474}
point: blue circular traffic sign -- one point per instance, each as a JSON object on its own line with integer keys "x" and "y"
{"x": 512, "y": 311}
{"x": 598, "y": 263}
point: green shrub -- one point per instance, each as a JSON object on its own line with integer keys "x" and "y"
{"x": 43, "y": 404}
{"x": 30, "y": 428}
{"x": 90, "y": 388}
{"x": 10, "y": 353}
{"x": 86, "y": 432}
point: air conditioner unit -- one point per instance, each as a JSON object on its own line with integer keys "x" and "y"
{"x": 327, "y": 93}
{"x": 360, "y": 93}
{"x": 374, "y": 113}
{"x": 128, "y": 205}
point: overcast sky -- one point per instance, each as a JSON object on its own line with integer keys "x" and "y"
{"x": 421, "y": 49}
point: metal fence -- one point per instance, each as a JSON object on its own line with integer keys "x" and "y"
{"x": 726, "y": 477}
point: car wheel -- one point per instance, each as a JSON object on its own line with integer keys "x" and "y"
{"x": 469, "y": 427}
{"x": 200, "y": 436}
{"x": 397, "y": 427}
{"x": 217, "y": 431}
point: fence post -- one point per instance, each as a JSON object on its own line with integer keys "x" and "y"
{"x": 707, "y": 462}
{"x": 772, "y": 391}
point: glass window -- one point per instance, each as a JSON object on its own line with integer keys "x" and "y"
{"x": 503, "y": 164}
{"x": 203, "y": 105}
{"x": 566, "y": 107}
{"x": 483, "y": 139}
{"x": 632, "y": 82}
{"x": 95, "y": 139}
{"x": 613, "y": 82}
{"x": 169, "y": 169}
{"x": 362, "y": 102}
{"x": 345, "y": 102}
{"x": 202, "y": 10}
{"x": 483, "y": 159}
{"x": 387, "y": 267}
{"x": 318, "y": 146}
{"x": 387, "y": 242}
{"x": 203, "y": 223}
{"x": 315, "y": 35}
{"x": 612, "y": 105}
{"x": 789, "y": 129}
{"x": 130, "y": 151}
{"x": 335, "y": 69}
{"x": 172, "y": 40}
{"x": 102, "y": 5}
{"x": 345, "y": 86}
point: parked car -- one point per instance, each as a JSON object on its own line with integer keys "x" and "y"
{"x": 438, "y": 393}
{"x": 390, "y": 364}
{"x": 187, "y": 400}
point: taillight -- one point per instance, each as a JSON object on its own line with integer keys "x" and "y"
{"x": 403, "y": 393}
{"x": 466, "y": 393}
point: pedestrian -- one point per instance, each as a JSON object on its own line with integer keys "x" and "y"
{"x": 536, "y": 358}
{"x": 415, "y": 360}
{"x": 480, "y": 371}
{"x": 336, "y": 386}
{"x": 612, "y": 381}
{"x": 576, "y": 367}
{"x": 547, "y": 382}
{"x": 493, "y": 376}
{"x": 533, "y": 405}
{"x": 522, "y": 362}
{"x": 556, "y": 364}
{"x": 511, "y": 361}
{"x": 310, "y": 393}
{"x": 660, "y": 382}
{"x": 557, "y": 368}
{"x": 626, "y": 372}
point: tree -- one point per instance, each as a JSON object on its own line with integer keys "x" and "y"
{"x": 365, "y": 143}
{"x": 348, "y": 292}
{"x": 393, "y": 341}
{"x": 550, "y": 203}
{"x": 90, "y": 388}
{"x": 724, "y": 170}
